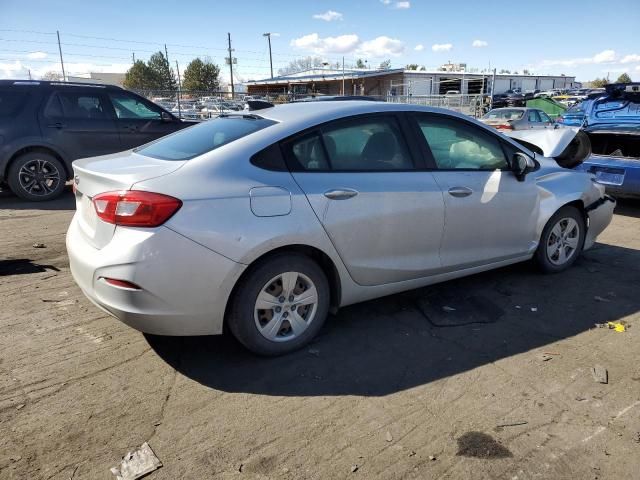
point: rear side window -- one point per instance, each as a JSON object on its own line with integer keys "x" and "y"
{"x": 202, "y": 138}
{"x": 11, "y": 102}
{"x": 76, "y": 105}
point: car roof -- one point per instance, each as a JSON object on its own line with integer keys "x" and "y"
{"x": 319, "y": 112}
{"x": 46, "y": 83}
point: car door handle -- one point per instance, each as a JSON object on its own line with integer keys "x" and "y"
{"x": 340, "y": 194}
{"x": 460, "y": 191}
{"x": 56, "y": 125}
{"x": 131, "y": 128}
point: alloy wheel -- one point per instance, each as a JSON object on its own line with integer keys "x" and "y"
{"x": 39, "y": 177}
{"x": 286, "y": 306}
{"x": 563, "y": 240}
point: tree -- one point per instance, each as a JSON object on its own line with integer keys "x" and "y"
{"x": 360, "y": 64}
{"x": 504, "y": 71}
{"x": 386, "y": 65}
{"x": 301, "y": 64}
{"x": 412, "y": 66}
{"x": 201, "y": 76}
{"x": 526, "y": 72}
{"x": 141, "y": 77}
{"x": 52, "y": 76}
{"x": 624, "y": 78}
{"x": 598, "y": 82}
{"x": 162, "y": 71}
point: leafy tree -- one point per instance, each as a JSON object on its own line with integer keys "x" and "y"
{"x": 162, "y": 71}
{"x": 301, "y": 64}
{"x": 423, "y": 68}
{"x": 504, "y": 71}
{"x": 386, "y": 65}
{"x": 360, "y": 64}
{"x": 141, "y": 77}
{"x": 201, "y": 76}
{"x": 624, "y": 78}
{"x": 526, "y": 72}
{"x": 412, "y": 66}
{"x": 599, "y": 82}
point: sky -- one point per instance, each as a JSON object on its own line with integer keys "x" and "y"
{"x": 587, "y": 39}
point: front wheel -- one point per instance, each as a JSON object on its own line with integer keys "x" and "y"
{"x": 562, "y": 240}
{"x": 280, "y": 304}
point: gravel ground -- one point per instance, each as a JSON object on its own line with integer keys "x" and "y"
{"x": 398, "y": 387}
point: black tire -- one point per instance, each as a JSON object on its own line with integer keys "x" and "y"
{"x": 549, "y": 264}
{"x": 49, "y": 176}
{"x": 241, "y": 317}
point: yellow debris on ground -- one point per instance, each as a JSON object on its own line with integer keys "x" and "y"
{"x": 617, "y": 326}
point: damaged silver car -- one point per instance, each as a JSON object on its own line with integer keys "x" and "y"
{"x": 265, "y": 221}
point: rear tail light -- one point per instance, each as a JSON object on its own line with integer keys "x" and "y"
{"x": 135, "y": 208}
{"x": 504, "y": 126}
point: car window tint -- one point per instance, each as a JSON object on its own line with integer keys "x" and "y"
{"x": 130, "y": 107}
{"x": 533, "y": 116}
{"x": 370, "y": 144}
{"x": 544, "y": 117}
{"x": 81, "y": 105}
{"x": 459, "y": 145}
{"x": 202, "y": 138}
{"x": 53, "y": 108}
{"x": 308, "y": 152}
{"x": 11, "y": 102}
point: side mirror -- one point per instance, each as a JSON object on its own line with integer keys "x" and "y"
{"x": 166, "y": 117}
{"x": 522, "y": 164}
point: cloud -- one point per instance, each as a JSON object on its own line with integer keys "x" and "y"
{"x": 606, "y": 56}
{"x": 328, "y": 16}
{"x": 385, "y": 2}
{"x": 321, "y": 46}
{"x": 633, "y": 58}
{"x": 479, "y": 44}
{"x": 36, "y": 55}
{"x": 381, "y": 47}
{"x": 377, "y": 47}
{"x": 403, "y": 5}
{"x": 419, "y": 47}
{"x": 441, "y": 47}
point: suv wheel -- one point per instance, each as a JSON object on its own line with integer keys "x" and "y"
{"x": 37, "y": 176}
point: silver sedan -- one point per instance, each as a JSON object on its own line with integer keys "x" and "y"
{"x": 265, "y": 221}
{"x": 517, "y": 118}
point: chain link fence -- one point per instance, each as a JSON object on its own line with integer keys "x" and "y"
{"x": 202, "y": 105}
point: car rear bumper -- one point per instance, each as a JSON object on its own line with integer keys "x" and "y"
{"x": 600, "y": 214}
{"x": 184, "y": 286}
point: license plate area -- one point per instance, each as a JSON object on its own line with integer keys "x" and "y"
{"x": 88, "y": 216}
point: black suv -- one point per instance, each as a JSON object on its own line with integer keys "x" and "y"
{"x": 44, "y": 126}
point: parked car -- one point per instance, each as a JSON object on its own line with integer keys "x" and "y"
{"x": 612, "y": 122}
{"x": 517, "y": 118}
{"x": 44, "y": 126}
{"x": 264, "y": 221}
{"x": 514, "y": 98}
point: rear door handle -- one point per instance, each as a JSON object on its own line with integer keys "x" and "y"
{"x": 460, "y": 191}
{"x": 340, "y": 194}
{"x": 56, "y": 125}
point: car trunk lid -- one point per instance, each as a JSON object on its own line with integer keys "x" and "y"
{"x": 110, "y": 173}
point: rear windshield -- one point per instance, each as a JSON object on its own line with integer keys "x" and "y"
{"x": 203, "y": 138}
{"x": 11, "y": 102}
{"x": 506, "y": 114}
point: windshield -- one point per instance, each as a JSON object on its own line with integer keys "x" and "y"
{"x": 504, "y": 114}
{"x": 202, "y": 138}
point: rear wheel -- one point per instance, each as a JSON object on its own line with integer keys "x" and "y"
{"x": 37, "y": 176}
{"x": 562, "y": 240}
{"x": 280, "y": 305}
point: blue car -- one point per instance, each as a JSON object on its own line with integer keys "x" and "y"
{"x": 612, "y": 123}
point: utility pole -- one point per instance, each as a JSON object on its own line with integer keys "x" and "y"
{"x": 493, "y": 88}
{"x": 64, "y": 76}
{"x": 29, "y": 74}
{"x": 166, "y": 53}
{"x": 343, "y": 92}
{"x": 179, "y": 88}
{"x": 133, "y": 57}
{"x": 233, "y": 93}
{"x": 268, "y": 35}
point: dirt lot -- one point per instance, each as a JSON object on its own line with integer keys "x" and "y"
{"x": 393, "y": 388}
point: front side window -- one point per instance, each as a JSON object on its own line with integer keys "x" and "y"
{"x": 202, "y": 138}
{"x": 81, "y": 106}
{"x": 459, "y": 145}
{"x": 130, "y": 107}
{"x": 544, "y": 117}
